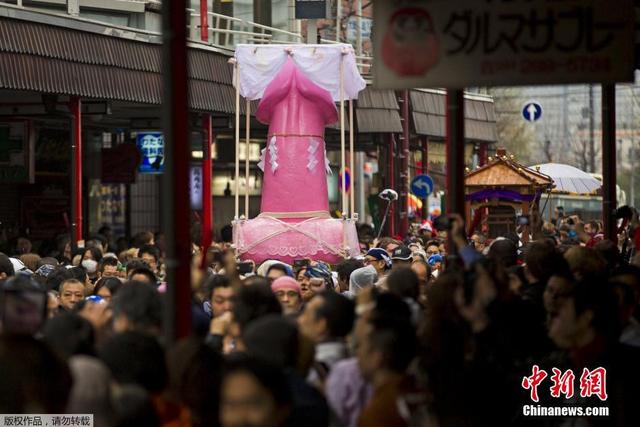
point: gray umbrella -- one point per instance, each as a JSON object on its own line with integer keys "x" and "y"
{"x": 569, "y": 179}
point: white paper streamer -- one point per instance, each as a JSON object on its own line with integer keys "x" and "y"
{"x": 313, "y": 148}
{"x": 327, "y": 164}
{"x": 273, "y": 154}
{"x": 263, "y": 154}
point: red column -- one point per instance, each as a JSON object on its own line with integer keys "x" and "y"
{"x": 391, "y": 180}
{"x": 175, "y": 180}
{"x": 483, "y": 156}
{"x": 609, "y": 161}
{"x": 76, "y": 208}
{"x": 404, "y": 167}
{"x": 526, "y": 229}
{"x": 204, "y": 21}
{"x": 207, "y": 209}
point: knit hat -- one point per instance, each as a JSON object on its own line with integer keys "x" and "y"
{"x": 284, "y": 283}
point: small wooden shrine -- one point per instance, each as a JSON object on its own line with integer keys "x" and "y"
{"x": 496, "y": 192}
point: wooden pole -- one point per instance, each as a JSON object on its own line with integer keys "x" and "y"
{"x": 345, "y": 208}
{"x": 246, "y": 158}
{"x": 352, "y": 174}
{"x": 237, "y": 192}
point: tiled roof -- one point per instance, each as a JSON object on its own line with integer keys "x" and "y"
{"x": 52, "y": 59}
{"x": 429, "y": 116}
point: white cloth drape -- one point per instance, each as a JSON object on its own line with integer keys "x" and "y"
{"x": 259, "y": 64}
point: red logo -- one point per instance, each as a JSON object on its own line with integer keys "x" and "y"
{"x": 592, "y": 383}
{"x": 532, "y": 382}
{"x": 562, "y": 383}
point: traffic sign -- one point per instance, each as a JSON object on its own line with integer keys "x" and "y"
{"x": 347, "y": 179}
{"x": 532, "y": 111}
{"x": 422, "y": 186}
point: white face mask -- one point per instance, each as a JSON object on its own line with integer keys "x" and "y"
{"x": 90, "y": 265}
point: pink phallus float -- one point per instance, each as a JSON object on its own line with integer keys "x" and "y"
{"x": 298, "y": 87}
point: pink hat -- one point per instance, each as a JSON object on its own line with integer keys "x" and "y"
{"x": 285, "y": 282}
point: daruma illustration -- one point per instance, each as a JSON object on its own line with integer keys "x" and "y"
{"x": 410, "y": 46}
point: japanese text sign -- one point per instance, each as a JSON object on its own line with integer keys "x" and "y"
{"x": 195, "y": 187}
{"x": 460, "y": 43}
{"x": 151, "y": 146}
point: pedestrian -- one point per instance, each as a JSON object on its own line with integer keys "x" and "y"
{"x": 254, "y": 393}
{"x": 287, "y": 290}
{"x": 362, "y": 278}
{"x": 326, "y": 321}
{"x": 71, "y": 291}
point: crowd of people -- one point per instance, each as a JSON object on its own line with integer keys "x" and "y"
{"x": 438, "y": 328}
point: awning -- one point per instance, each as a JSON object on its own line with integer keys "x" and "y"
{"x": 58, "y": 60}
{"x": 378, "y": 112}
{"x": 429, "y": 116}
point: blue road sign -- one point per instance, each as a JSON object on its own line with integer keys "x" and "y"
{"x": 422, "y": 186}
{"x": 532, "y": 111}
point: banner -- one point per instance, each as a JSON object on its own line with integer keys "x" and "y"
{"x": 462, "y": 43}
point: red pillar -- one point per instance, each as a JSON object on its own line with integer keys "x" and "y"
{"x": 204, "y": 21}
{"x": 404, "y": 167}
{"x": 526, "y": 229}
{"x": 207, "y": 209}
{"x": 76, "y": 189}
{"x": 391, "y": 180}
{"x": 483, "y": 156}
{"x": 455, "y": 155}
{"x": 609, "y": 161}
{"x": 175, "y": 183}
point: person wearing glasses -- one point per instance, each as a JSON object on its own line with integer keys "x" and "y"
{"x": 287, "y": 290}
{"x": 379, "y": 259}
{"x": 433, "y": 248}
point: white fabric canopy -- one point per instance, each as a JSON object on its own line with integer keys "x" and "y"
{"x": 568, "y": 178}
{"x": 259, "y": 64}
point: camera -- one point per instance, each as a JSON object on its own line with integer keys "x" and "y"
{"x": 388, "y": 195}
{"x": 245, "y": 267}
{"x": 298, "y": 263}
{"x": 523, "y": 220}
